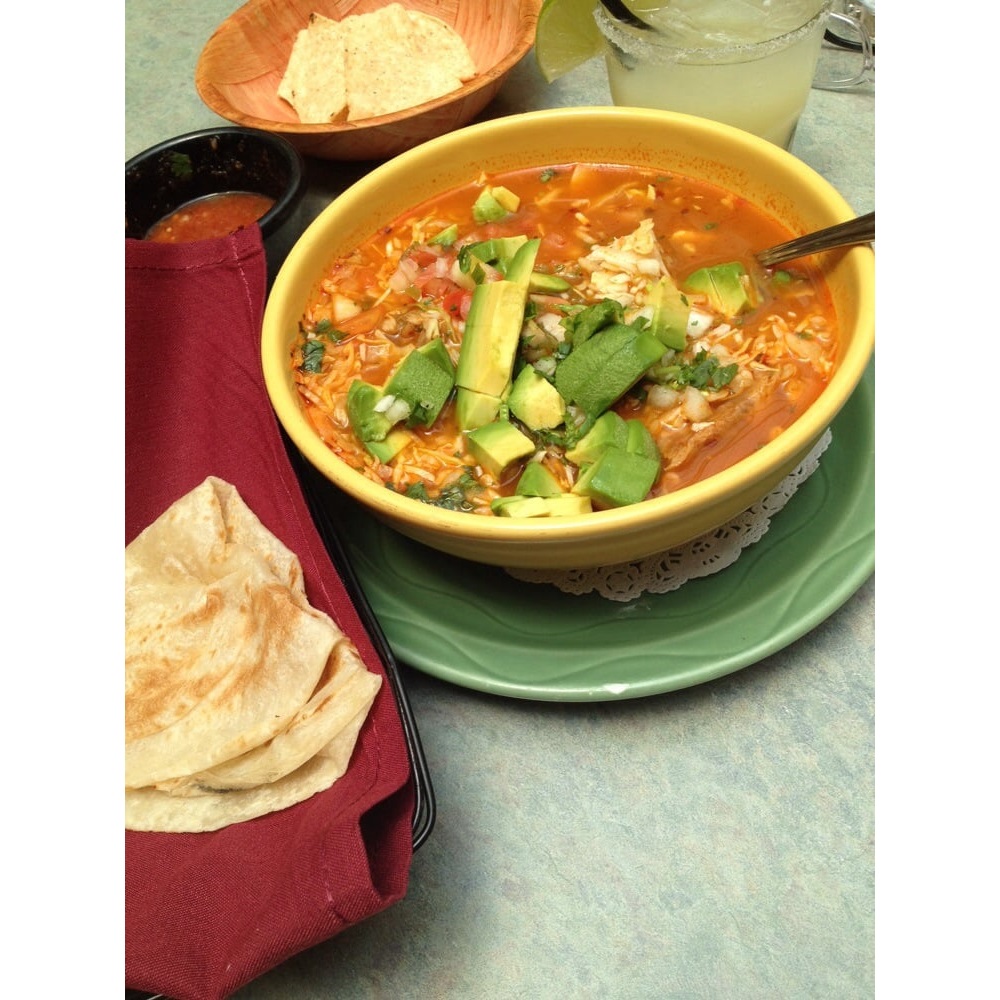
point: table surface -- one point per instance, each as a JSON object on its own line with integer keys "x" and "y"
{"x": 712, "y": 842}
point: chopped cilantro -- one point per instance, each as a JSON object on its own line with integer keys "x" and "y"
{"x": 704, "y": 372}
{"x": 546, "y": 175}
{"x": 325, "y": 328}
{"x": 180, "y": 166}
{"x": 312, "y": 356}
{"x": 454, "y": 496}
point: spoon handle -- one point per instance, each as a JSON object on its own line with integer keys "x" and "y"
{"x": 859, "y": 230}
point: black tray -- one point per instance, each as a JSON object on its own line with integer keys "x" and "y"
{"x": 322, "y": 498}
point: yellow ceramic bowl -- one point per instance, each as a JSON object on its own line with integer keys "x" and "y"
{"x": 766, "y": 175}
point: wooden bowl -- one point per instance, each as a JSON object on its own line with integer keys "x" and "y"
{"x": 239, "y": 70}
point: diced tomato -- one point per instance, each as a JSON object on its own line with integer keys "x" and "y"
{"x": 457, "y": 303}
{"x": 433, "y": 287}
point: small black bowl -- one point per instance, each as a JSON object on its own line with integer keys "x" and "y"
{"x": 212, "y": 161}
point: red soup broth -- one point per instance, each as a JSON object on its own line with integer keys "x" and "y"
{"x": 397, "y": 290}
{"x": 210, "y": 217}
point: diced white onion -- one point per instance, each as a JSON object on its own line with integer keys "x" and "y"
{"x": 663, "y": 397}
{"x": 696, "y": 407}
{"x": 698, "y": 322}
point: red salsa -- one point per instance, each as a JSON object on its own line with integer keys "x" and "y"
{"x": 210, "y": 217}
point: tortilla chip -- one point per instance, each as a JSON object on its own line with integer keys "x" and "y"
{"x": 314, "y": 82}
{"x": 373, "y": 64}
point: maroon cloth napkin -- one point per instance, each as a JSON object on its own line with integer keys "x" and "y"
{"x": 206, "y": 913}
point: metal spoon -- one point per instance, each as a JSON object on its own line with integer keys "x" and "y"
{"x": 845, "y": 234}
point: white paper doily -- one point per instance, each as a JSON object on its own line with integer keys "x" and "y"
{"x": 705, "y": 555}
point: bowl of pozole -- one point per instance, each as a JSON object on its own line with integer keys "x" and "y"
{"x": 544, "y": 340}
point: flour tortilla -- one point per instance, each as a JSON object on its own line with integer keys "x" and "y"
{"x": 315, "y": 82}
{"x": 153, "y": 810}
{"x": 222, "y": 646}
{"x": 345, "y": 688}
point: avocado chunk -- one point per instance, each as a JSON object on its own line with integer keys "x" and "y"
{"x": 640, "y": 441}
{"x": 560, "y": 505}
{"x": 535, "y": 401}
{"x": 493, "y": 327}
{"x": 497, "y": 445}
{"x": 537, "y": 481}
{"x": 618, "y": 478}
{"x": 670, "y": 313}
{"x": 726, "y": 285}
{"x": 438, "y": 353}
{"x": 494, "y": 203}
{"x": 608, "y": 431}
{"x": 369, "y": 423}
{"x": 603, "y": 368}
{"x": 423, "y": 383}
{"x": 473, "y": 409}
{"x": 447, "y": 236}
{"x": 386, "y": 450}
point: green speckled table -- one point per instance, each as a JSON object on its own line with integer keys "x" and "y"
{"x": 713, "y": 842}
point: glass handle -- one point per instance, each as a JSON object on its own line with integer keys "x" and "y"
{"x": 857, "y": 26}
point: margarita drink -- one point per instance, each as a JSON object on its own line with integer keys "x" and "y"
{"x": 748, "y": 63}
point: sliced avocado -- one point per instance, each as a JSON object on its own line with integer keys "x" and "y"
{"x": 670, "y": 313}
{"x": 519, "y": 506}
{"x": 496, "y": 445}
{"x": 568, "y": 504}
{"x": 552, "y": 283}
{"x": 368, "y": 423}
{"x": 560, "y": 505}
{"x": 726, "y": 285}
{"x": 640, "y": 441}
{"x": 618, "y": 478}
{"x": 608, "y": 431}
{"x": 601, "y": 369}
{"x": 537, "y": 481}
{"x": 535, "y": 401}
{"x": 473, "y": 409}
{"x": 395, "y": 441}
{"x": 522, "y": 264}
{"x": 498, "y": 252}
{"x": 424, "y": 384}
{"x": 493, "y": 327}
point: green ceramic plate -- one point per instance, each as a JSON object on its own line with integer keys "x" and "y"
{"x": 478, "y": 627}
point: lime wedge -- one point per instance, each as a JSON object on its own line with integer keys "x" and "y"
{"x": 566, "y": 36}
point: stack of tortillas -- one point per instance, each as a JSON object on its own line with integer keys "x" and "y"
{"x": 372, "y": 64}
{"x": 240, "y": 697}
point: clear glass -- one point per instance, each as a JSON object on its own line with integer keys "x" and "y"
{"x": 851, "y": 31}
{"x": 747, "y": 63}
